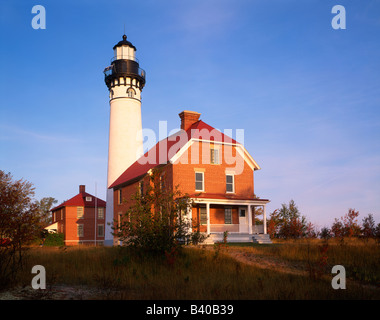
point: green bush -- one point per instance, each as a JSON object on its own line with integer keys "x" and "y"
{"x": 54, "y": 239}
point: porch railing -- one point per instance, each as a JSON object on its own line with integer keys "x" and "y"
{"x": 220, "y": 228}
{"x": 258, "y": 228}
{"x": 224, "y": 227}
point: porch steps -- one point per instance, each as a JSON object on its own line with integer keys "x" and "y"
{"x": 239, "y": 237}
{"x": 261, "y": 238}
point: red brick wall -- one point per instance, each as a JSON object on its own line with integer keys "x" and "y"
{"x": 214, "y": 174}
{"x": 70, "y": 222}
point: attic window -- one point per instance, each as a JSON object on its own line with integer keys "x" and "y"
{"x": 88, "y": 198}
{"x": 214, "y": 156}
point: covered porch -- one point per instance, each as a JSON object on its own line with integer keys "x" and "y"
{"x": 236, "y": 216}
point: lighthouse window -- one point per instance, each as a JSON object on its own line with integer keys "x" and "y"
{"x": 131, "y": 92}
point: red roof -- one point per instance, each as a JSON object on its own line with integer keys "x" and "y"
{"x": 80, "y": 200}
{"x": 198, "y": 130}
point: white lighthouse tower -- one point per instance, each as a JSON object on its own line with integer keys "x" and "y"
{"x": 125, "y": 81}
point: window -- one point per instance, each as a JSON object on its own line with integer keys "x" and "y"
{"x": 199, "y": 181}
{"x": 230, "y": 183}
{"x": 80, "y": 231}
{"x": 214, "y": 156}
{"x": 119, "y": 196}
{"x": 131, "y": 93}
{"x": 88, "y": 198}
{"x": 228, "y": 215}
{"x": 203, "y": 215}
{"x": 162, "y": 183}
{"x": 80, "y": 212}
{"x": 119, "y": 219}
{"x": 141, "y": 188}
{"x": 100, "y": 230}
{"x": 101, "y": 213}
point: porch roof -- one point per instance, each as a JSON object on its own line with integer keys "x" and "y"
{"x": 227, "y": 198}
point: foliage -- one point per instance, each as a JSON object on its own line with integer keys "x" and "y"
{"x": 54, "y": 239}
{"x": 368, "y": 227}
{"x": 19, "y": 223}
{"x": 288, "y": 222}
{"x": 337, "y": 229}
{"x": 347, "y": 226}
{"x": 325, "y": 233}
{"x": 45, "y": 205}
{"x": 156, "y": 220}
{"x": 350, "y": 223}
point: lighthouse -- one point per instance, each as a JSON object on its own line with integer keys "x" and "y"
{"x": 125, "y": 80}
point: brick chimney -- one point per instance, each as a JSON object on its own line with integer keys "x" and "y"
{"x": 82, "y": 188}
{"x": 188, "y": 118}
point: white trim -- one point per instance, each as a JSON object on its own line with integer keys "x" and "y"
{"x": 203, "y": 181}
{"x": 231, "y": 201}
{"x": 242, "y": 151}
{"x": 249, "y": 219}
{"x": 233, "y": 182}
{"x": 181, "y": 151}
{"x": 208, "y": 218}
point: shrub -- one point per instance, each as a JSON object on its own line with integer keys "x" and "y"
{"x": 54, "y": 239}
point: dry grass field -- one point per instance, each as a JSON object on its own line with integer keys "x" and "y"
{"x": 285, "y": 270}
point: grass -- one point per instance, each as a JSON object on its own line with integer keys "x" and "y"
{"x": 200, "y": 274}
{"x": 360, "y": 258}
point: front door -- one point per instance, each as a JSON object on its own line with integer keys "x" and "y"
{"x": 243, "y": 220}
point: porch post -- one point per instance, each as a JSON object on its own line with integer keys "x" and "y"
{"x": 265, "y": 219}
{"x": 208, "y": 217}
{"x": 189, "y": 218}
{"x": 249, "y": 219}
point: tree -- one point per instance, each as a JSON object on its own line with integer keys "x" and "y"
{"x": 369, "y": 227}
{"x": 337, "y": 229}
{"x": 155, "y": 220}
{"x": 288, "y": 221}
{"x": 350, "y": 224}
{"x": 19, "y": 223}
{"x": 325, "y": 233}
{"x": 45, "y": 205}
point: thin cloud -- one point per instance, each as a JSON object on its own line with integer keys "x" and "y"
{"x": 15, "y": 133}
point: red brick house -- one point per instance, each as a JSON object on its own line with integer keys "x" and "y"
{"x": 214, "y": 169}
{"x": 76, "y": 219}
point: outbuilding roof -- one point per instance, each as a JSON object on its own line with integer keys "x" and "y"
{"x": 80, "y": 201}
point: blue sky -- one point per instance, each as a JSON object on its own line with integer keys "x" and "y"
{"x": 306, "y": 95}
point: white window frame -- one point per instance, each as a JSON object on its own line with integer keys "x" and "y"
{"x": 88, "y": 199}
{"x": 233, "y": 183}
{"x": 203, "y": 181}
{"x": 204, "y": 220}
{"x": 80, "y": 216}
{"x": 131, "y": 93}
{"x": 80, "y": 226}
{"x": 216, "y": 155}
{"x": 225, "y": 213}
{"x": 101, "y": 213}
{"x": 119, "y": 196}
{"x": 100, "y": 234}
